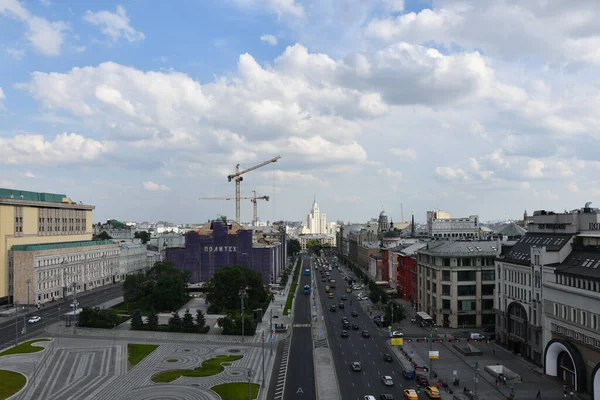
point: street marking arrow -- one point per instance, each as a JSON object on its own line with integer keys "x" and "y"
{"x": 299, "y": 390}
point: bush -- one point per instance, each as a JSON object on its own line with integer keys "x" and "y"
{"x": 136, "y": 320}
{"x": 175, "y": 323}
{"x": 97, "y": 318}
{"x": 187, "y": 324}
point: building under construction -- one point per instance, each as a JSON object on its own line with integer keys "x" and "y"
{"x": 222, "y": 243}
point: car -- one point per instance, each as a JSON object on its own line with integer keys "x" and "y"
{"x": 344, "y": 318}
{"x": 356, "y": 366}
{"x": 432, "y": 392}
{"x": 74, "y": 304}
{"x": 323, "y": 279}
{"x": 365, "y": 334}
{"x": 409, "y": 375}
{"x": 327, "y": 288}
{"x": 387, "y": 380}
{"x": 341, "y": 305}
{"x": 397, "y": 334}
{"x": 331, "y": 295}
{"x": 346, "y": 325}
{"x": 348, "y": 290}
{"x": 332, "y": 308}
{"x": 387, "y": 357}
{"x": 344, "y": 333}
{"x": 355, "y": 326}
{"x": 354, "y": 313}
{"x": 411, "y": 394}
{"x": 369, "y": 397}
{"x": 34, "y": 319}
{"x": 343, "y": 297}
{"x": 422, "y": 380}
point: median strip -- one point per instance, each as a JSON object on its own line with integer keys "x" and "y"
{"x": 293, "y": 287}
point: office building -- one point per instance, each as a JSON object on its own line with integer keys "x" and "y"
{"x": 132, "y": 258}
{"x": 441, "y": 226}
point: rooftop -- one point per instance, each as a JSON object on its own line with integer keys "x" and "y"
{"x": 581, "y": 263}
{"x": 520, "y": 252}
{"x": 31, "y": 196}
{"x": 413, "y": 248}
{"x": 462, "y": 248}
{"x": 60, "y": 245}
{"x": 512, "y": 230}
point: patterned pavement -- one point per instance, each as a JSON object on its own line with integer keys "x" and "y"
{"x": 97, "y": 369}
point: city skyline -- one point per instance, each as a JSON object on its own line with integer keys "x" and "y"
{"x": 369, "y": 103}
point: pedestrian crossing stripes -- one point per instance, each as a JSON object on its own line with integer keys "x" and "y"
{"x": 301, "y": 325}
{"x": 282, "y": 370}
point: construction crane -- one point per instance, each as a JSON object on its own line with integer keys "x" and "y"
{"x": 237, "y": 176}
{"x": 254, "y": 199}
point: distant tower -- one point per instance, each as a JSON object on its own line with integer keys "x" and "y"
{"x": 383, "y": 225}
{"x": 412, "y": 224}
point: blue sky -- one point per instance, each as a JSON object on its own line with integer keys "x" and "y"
{"x": 140, "y": 107}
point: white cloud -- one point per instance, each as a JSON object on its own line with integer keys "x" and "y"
{"x": 80, "y": 49}
{"x": 29, "y": 175}
{"x": 294, "y": 178}
{"x": 269, "y": 39}
{"x": 114, "y": 25}
{"x": 15, "y": 53}
{"x": 155, "y": 187}
{"x": 552, "y": 30}
{"x": 406, "y": 154}
{"x": 451, "y": 174}
{"x": 394, "y": 5}
{"x": 390, "y": 173}
{"x": 27, "y": 149}
{"x": 5, "y": 183}
{"x": 46, "y": 37}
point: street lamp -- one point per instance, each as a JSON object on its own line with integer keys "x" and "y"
{"x": 28, "y": 284}
{"x": 75, "y": 305}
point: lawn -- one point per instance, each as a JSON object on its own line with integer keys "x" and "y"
{"x": 10, "y": 383}
{"x": 209, "y": 367}
{"x": 25, "y": 348}
{"x": 137, "y": 352}
{"x": 236, "y": 391}
{"x": 293, "y": 286}
{"x": 129, "y": 308}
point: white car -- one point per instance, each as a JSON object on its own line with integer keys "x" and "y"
{"x": 397, "y": 334}
{"x": 369, "y": 397}
{"x": 74, "y": 304}
{"x": 34, "y": 319}
{"x": 387, "y": 380}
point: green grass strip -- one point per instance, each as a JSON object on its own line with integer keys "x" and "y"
{"x": 137, "y": 352}
{"x": 236, "y": 391}
{"x": 293, "y": 287}
{"x": 10, "y": 383}
{"x": 208, "y": 368}
{"x": 25, "y": 348}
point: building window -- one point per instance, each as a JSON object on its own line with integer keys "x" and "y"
{"x": 445, "y": 290}
{"x": 564, "y": 312}
{"x": 446, "y": 275}
{"x": 488, "y": 275}
{"x": 465, "y": 276}
{"x": 487, "y": 290}
{"x": 573, "y": 315}
{"x": 556, "y": 313}
{"x": 467, "y": 290}
{"x": 584, "y": 318}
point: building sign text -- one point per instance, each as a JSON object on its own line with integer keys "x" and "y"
{"x": 552, "y": 226}
{"x": 220, "y": 249}
{"x": 594, "y": 226}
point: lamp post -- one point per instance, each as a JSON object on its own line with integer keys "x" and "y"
{"x": 242, "y": 320}
{"x": 28, "y": 284}
{"x": 16, "y": 322}
{"x": 263, "y": 358}
{"x": 271, "y": 333}
{"x": 75, "y": 308}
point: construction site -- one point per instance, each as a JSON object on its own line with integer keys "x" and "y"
{"x": 223, "y": 242}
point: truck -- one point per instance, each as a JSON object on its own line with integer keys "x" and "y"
{"x": 332, "y": 283}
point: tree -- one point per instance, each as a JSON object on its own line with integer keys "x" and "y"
{"x": 137, "y": 322}
{"x": 153, "y": 321}
{"x": 200, "y": 319}
{"x": 188, "y": 321}
{"x": 103, "y": 236}
{"x": 143, "y": 235}
{"x": 293, "y": 247}
{"x": 398, "y": 311}
{"x": 225, "y": 288}
{"x": 375, "y": 296}
{"x": 232, "y": 325}
{"x": 175, "y": 323}
{"x": 134, "y": 289}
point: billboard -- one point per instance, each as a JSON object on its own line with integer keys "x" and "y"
{"x": 434, "y": 355}
{"x": 397, "y": 342}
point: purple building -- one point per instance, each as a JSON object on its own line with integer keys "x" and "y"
{"x": 218, "y": 244}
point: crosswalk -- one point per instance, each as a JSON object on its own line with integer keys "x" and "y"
{"x": 301, "y": 325}
{"x": 280, "y": 386}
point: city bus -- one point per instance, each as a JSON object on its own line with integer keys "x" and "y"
{"x": 423, "y": 319}
{"x": 306, "y": 289}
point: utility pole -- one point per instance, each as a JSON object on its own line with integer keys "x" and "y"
{"x": 249, "y": 376}
{"x": 28, "y": 284}
{"x": 430, "y": 359}
{"x": 58, "y": 339}
{"x": 16, "y": 323}
{"x": 476, "y": 378}
{"x": 75, "y": 308}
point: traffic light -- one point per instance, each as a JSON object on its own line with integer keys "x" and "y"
{"x": 418, "y": 390}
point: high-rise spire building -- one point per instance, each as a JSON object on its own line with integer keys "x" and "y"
{"x": 315, "y": 221}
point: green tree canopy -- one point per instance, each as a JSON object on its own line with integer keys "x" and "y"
{"x": 103, "y": 236}
{"x": 293, "y": 247}
{"x": 143, "y": 235}
{"x": 163, "y": 287}
{"x": 223, "y": 291}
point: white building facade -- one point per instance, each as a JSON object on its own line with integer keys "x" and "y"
{"x": 316, "y": 222}
{"x": 132, "y": 258}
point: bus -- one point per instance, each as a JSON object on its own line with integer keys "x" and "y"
{"x": 423, "y": 319}
{"x": 306, "y": 289}
{"x": 307, "y": 272}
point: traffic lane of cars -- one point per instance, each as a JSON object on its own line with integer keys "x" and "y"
{"x": 369, "y": 351}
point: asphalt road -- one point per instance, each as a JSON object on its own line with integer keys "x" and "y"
{"x": 369, "y": 351}
{"x": 49, "y": 314}
{"x": 300, "y": 378}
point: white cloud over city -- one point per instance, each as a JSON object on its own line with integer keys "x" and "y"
{"x": 428, "y": 108}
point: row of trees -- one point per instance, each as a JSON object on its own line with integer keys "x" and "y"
{"x": 163, "y": 287}
{"x": 316, "y": 246}
{"x": 187, "y": 324}
{"x": 293, "y": 247}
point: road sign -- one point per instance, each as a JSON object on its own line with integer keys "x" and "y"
{"x": 397, "y": 342}
{"x": 320, "y": 330}
{"x": 434, "y": 355}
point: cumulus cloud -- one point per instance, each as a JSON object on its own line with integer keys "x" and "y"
{"x": 269, "y": 39}
{"x": 66, "y": 148}
{"x": 15, "y": 53}
{"x": 552, "y": 30}
{"x": 29, "y": 175}
{"x": 114, "y": 25}
{"x": 46, "y": 37}
{"x": 155, "y": 187}
{"x": 404, "y": 154}
{"x": 280, "y": 7}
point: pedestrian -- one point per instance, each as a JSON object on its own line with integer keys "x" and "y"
{"x": 494, "y": 351}
{"x": 539, "y": 394}
{"x": 572, "y": 395}
{"x": 565, "y": 392}
{"x": 496, "y": 383}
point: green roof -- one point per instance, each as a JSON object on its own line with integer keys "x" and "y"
{"x": 61, "y": 245}
{"x": 31, "y": 196}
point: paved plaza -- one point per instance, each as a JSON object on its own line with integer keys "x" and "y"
{"x": 86, "y": 368}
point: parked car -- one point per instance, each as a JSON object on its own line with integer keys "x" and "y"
{"x": 74, "y": 304}
{"x": 356, "y": 366}
{"x": 422, "y": 380}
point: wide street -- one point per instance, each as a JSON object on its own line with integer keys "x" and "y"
{"x": 369, "y": 351}
{"x": 50, "y": 312}
{"x": 300, "y": 378}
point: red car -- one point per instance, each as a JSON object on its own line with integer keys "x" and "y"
{"x": 422, "y": 381}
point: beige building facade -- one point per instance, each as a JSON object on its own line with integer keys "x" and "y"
{"x": 37, "y": 218}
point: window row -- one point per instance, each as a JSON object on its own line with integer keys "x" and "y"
{"x": 576, "y": 316}
{"x": 579, "y": 283}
